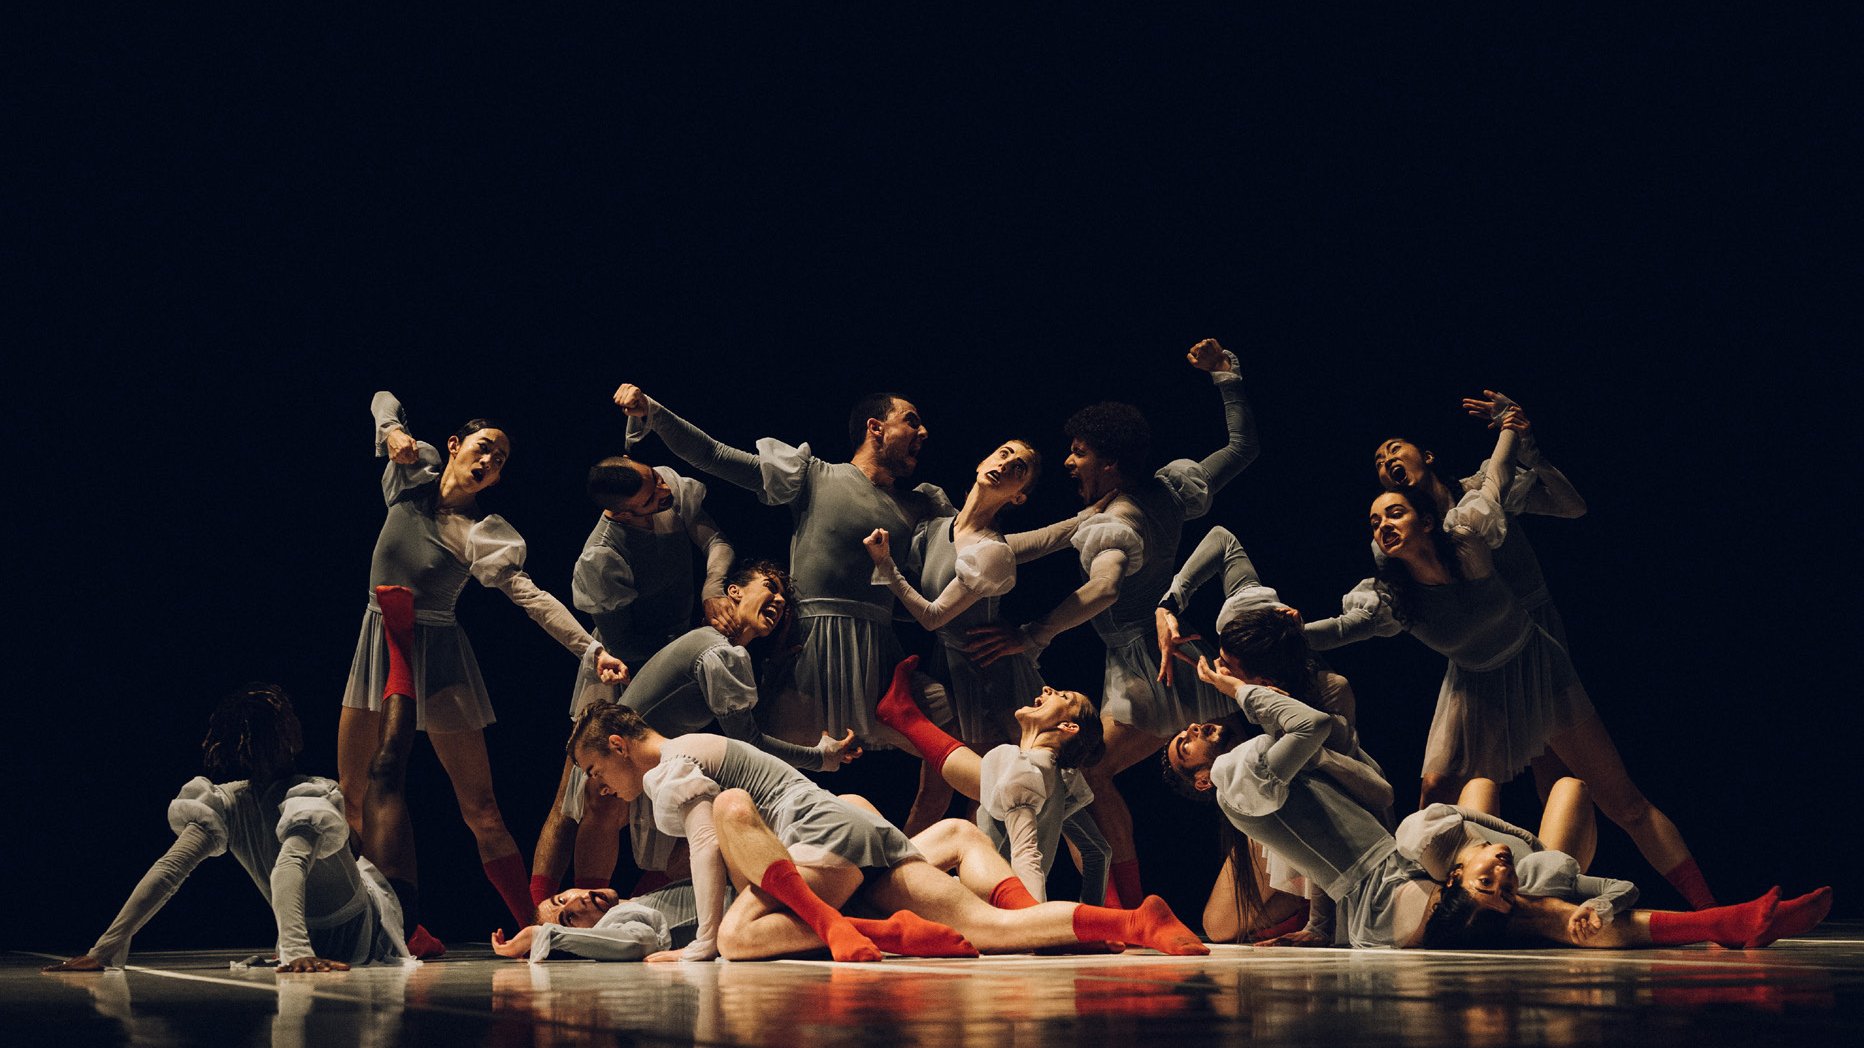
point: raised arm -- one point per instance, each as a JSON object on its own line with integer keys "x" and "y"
{"x": 1484, "y": 819}
{"x": 1097, "y": 594}
{"x": 1223, "y": 465}
{"x": 1302, "y": 729}
{"x": 690, "y": 442}
{"x": 954, "y": 600}
{"x": 1546, "y": 489}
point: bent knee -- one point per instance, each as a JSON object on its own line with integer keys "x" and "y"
{"x": 1571, "y": 790}
{"x": 734, "y": 806}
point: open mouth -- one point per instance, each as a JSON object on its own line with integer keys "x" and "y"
{"x": 478, "y": 475}
{"x": 770, "y": 614}
{"x": 993, "y": 476}
{"x": 1397, "y": 472}
{"x": 1388, "y": 539}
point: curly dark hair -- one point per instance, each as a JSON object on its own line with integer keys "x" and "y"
{"x": 252, "y": 734}
{"x": 1116, "y": 432}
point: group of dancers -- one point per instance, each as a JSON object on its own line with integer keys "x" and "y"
{"x": 703, "y": 696}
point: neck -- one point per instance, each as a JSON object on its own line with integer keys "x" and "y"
{"x": 627, "y": 520}
{"x": 1426, "y": 569}
{"x": 868, "y": 462}
{"x": 1035, "y": 739}
{"x": 1440, "y": 493}
{"x": 451, "y": 497}
{"x": 979, "y": 512}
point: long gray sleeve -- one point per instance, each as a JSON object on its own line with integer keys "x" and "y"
{"x": 1096, "y": 856}
{"x": 1608, "y": 895}
{"x": 1304, "y": 729}
{"x": 157, "y": 886}
{"x": 691, "y": 443}
{"x": 1226, "y": 462}
{"x": 1218, "y": 549}
{"x": 742, "y": 726}
{"x": 295, "y": 855}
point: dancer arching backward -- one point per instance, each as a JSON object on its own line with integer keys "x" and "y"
{"x": 1030, "y": 792}
{"x": 286, "y": 829}
{"x": 1262, "y": 644}
{"x": 1510, "y": 690}
{"x": 704, "y": 682}
{"x": 1502, "y": 883}
{"x": 848, "y": 644}
{"x": 803, "y": 852}
{"x": 635, "y": 576}
{"x": 434, "y": 539}
{"x": 1127, "y": 552}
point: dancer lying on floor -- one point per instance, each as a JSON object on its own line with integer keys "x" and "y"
{"x": 333, "y": 909}
{"x": 802, "y": 851}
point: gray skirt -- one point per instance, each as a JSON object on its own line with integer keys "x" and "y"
{"x": 1135, "y": 695}
{"x": 1492, "y": 722}
{"x": 820, "y": 829}
{"x": 449, "y": 694}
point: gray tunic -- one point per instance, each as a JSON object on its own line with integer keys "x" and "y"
{"x": 844, "y": 616}
{"x": 1145, "y": 523}
{"x": 294, "y": 844}
{"x": 663, "y": 919}
{"x": 1026, "y": 805}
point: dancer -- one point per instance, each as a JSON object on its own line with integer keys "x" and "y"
{"x": 805, "y": 852}
{"x": 1029, "y": 792}
{"x": 635, "y": 577}
{"x": 286, "y": 829}
{"x": 1127, "y": 552}
{"x": 1509, "y": 692}
{"x": 846, "y": 634}
{"x": 1257, "y": 894}
{"x": 599, "y": 925}
{"x": 1500, "y": 881}
{"x": 435, "y": 538}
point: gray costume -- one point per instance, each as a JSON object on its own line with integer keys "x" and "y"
{"x": 1145, "y": 523}
{"x": 844, "y": 615}
{"x": 663, "y": 919}
{"x": 1437, "y": 834}
{"x": 1026, "y": 804}
{"x": 1267, "y": 790}
{"x": 433, "y": 552}
{"x": 637, "y": 582}
{"x": 292, "y": 840}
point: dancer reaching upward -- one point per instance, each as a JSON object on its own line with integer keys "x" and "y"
{"x": 434, "y": 539}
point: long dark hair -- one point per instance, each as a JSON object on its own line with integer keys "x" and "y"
{"x": 1394, "y": 573}
{"x": 253, "y": 734}
{"x": 1271, "y": 644}
{"x": 1460, "y": 923}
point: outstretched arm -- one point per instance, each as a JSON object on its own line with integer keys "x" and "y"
{"x": 157, "y": 886}
{"x": 1365, "y": 612}
{"x": 690, "y": 442}
{"x": 1549, "y": 492}
{"x": 954, "y": 600}
{"x": 1225, "y": 463}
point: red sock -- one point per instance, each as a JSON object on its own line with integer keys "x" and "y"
{"x": 542, "y": 888}
{"x": 513, "y": 881}
{"x": 1124, "y": 877}
{"x": 1686, "y": 878}
{"x": 911, "y": 935}
{"x": 424, "y": 946}
{"x": 1113, "y": 895}
{"x": 1152, "y": 924}
{"x": 1011, "y": 895}
{"x": 1795, "y": 917}
{"x": 1742, "y": 927}
{"x": 787, "y": 886}
{"x": 898, "y": 711}
{"x": 650, "y": 880}
{"x": 397, "y": 604}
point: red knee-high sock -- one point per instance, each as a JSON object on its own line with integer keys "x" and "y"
{"x": 784, "y": 884}
{"x": 423, "y": 945}
{"x": 1124, "y": 878}
{"x": 911, "y": 935}
{"x": 397, "y": 604}
{"x": 1736, "y": 927}
{"x": 542, "y": 888}
{"x": 898, "y": 711}
{"x": 1687, "y": 879}
{"x": 1009, "y": 894}
{"x": 513, "y": 881}
{"x": 1152, "y": 924}
{"x": 1795, "y": 917}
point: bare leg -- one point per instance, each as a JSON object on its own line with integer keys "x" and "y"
{"x": 1222, "y": 919}
{"x": 598, "y": 839}
{"x": 1567, "y": 823}
{"x": 1548, "y": 769}
{"x": 359, "y": 736}
{"x": 1438, "y": 788}
{"x": 388, "y": 836}
{"x": 1482, "y": 795}
{"x": 462, "y": 754}
{"x": 932, "y": 799}
{"x": 555, "y": 841}
{"x": 765, "y": 925}
{"x": 955, "y": 844}
{"x": 1587, "y": 748}
{"x": 1126, "y": 746}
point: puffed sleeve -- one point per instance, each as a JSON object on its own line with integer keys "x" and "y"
{"x": 603, "y": 580}
{"x": 1244, "y": 781}
{"x": 203, "y": 804}
{"x": 783, "y": 471}
{"x": 938, "y": 504}
{"x": 1103, "y": 532}
{"x": 315, "y": 808}
{"x": 1432, "y": 837}
{"x": 1477, "y": 514}
{"x": 1008, "y": 778}
{"x": 1189, "y": 484}
{"x": 495, "y": 556}
{"x": 987, "y": 569}
{"x": 675, "y": 784}
{"x": 726, "y": 679}
{"x": 1365, "y": 611}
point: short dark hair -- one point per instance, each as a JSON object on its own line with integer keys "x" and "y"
{"x": 252, "y": 734}
{"x": 474, "y": 425}
{"x": 600, "y": 721}
{"x": 871, "y": 405}
{"x": 1460, "y": 923}
{"x": 1114, "y": 431}
{"x": 612, "y": 481}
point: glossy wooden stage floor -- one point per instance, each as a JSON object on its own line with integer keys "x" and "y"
{"x": 1802, "y": 991}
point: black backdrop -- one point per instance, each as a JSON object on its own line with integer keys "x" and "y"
{"x": 235, "y": 231}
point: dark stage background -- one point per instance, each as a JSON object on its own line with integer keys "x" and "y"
{"x": 236, "y": 231}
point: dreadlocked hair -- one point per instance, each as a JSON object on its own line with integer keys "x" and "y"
{"x": 253, "y": 734}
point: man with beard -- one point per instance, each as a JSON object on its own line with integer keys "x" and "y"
{"x": 845, "y": 619}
